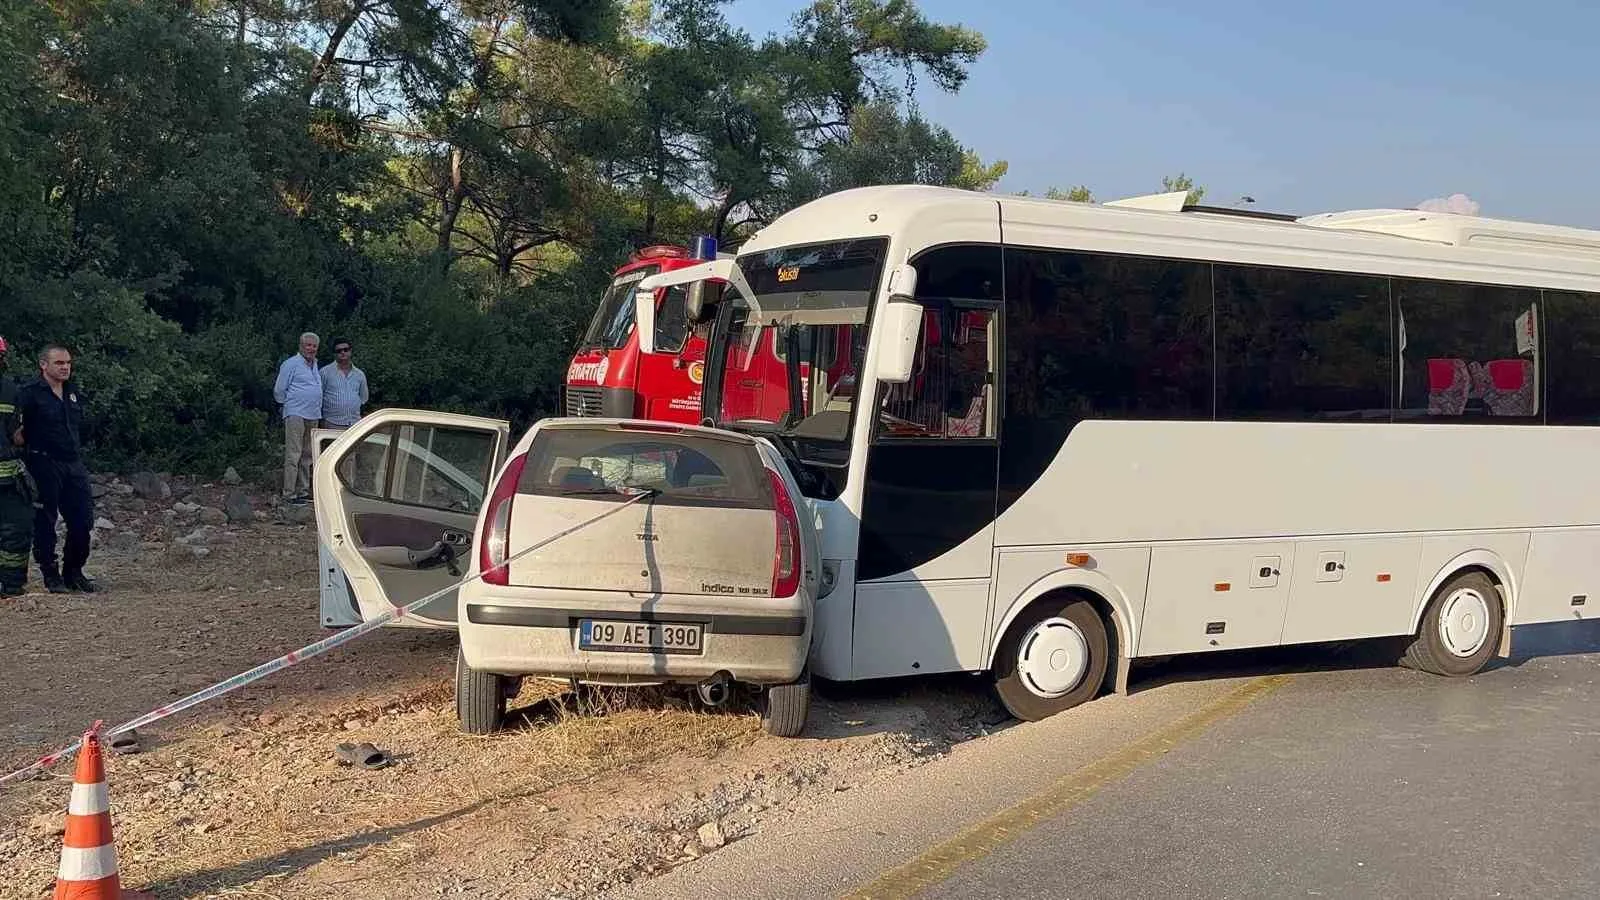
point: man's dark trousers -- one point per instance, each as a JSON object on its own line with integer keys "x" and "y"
{"x": 16, "y": 534}
{"x": 63, "y": 488}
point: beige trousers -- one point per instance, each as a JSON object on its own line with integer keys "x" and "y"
{"x": 297, "y": 455}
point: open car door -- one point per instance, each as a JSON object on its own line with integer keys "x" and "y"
{"x": 397, "y": 500}
{"x": 337, "y": 605}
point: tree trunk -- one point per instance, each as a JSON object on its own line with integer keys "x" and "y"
{"x": 454, "y": 194}
{"x": 724, "y": 210}
{"x": 654, "y": 188}
{"x": 330, "y": 53}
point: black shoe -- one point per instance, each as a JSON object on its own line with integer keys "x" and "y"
{"x": 7, "y": 590}
{"x": 82, "y": 583}
{"x": 54, "y": 584}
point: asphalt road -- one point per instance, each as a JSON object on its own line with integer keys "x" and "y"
{"x": 1295, "y": 773}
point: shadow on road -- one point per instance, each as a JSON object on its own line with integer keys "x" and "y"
{"x": 212, "y": 881}
{"x": 1528, "y": 642}
{"x": 937, "y": 712}
{"x": 1551, "y": 639}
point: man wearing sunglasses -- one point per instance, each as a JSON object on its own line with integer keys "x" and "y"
{"x": 344, "y": 388}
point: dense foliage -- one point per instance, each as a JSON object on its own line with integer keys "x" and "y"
{"x": 186, "y": 185}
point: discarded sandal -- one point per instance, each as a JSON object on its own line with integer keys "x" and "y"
{"x": 126, "y": 742}
{"x": 363, "y": 754}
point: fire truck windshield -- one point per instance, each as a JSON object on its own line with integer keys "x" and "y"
{"x": 613, "y": 320}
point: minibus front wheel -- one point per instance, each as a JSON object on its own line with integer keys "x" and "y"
{"x": 1053, "y": 657}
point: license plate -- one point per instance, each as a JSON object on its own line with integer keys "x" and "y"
{"x": 641, "y": 637}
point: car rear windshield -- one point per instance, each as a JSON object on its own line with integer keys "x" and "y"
{"x": 684, "y": 469}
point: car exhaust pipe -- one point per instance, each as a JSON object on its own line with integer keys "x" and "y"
{"x": 716, "y": 690}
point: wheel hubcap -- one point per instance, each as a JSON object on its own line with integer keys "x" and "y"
{"x": 1054, "y": 657}
{"x": 1464, "y": 622}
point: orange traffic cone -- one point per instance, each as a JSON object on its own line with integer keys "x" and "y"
{"x": 88, "y": 853}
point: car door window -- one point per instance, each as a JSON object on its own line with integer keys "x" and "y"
{"x": 421, "y": 465}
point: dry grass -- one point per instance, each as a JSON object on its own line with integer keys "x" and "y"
{"x": 288, "y": 812}
{"x": 244, "y": 798}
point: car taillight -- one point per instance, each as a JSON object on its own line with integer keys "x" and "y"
{"x": 494, "y": 544}
{"x": 786, "y": 563}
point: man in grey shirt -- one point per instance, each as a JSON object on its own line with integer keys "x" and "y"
{"x": 344, "y": 389}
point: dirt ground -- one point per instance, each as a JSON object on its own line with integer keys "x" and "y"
{"x": 245, "y": 796}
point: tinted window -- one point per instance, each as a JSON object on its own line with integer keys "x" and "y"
{"x": 1107, "y": 337}
{"x": 1299, "y": 346}
{"x": 951, "y": 391}
{"x": 1098, "y": 337}
{"x": 1466, "y": 352}
{"x": 839, "y": 275}
{"x": 970, "y": 272}
{"x": 672, "y": 319}
{"x": 1572, "y": 358}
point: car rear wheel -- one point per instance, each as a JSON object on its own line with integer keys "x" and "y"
{"x": 480, "y": 698}
{"x": 784, "y": 707}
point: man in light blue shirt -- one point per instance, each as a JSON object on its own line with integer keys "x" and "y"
{"x": 299, "y": 393}
{"x": 344, "y": 388}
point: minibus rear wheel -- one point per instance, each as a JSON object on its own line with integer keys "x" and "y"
{"x": 1053, "y": 657}
{"x": 1460, "y": 629}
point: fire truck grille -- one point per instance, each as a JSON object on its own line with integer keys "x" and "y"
{"x": 583, "y": 401}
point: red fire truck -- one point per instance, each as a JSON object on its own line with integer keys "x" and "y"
{"x": 610, "y": 375}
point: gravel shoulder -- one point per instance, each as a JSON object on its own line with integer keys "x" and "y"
{"x": 245, "y": 797}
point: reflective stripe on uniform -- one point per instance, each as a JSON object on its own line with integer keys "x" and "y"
{"x": 10, "y": 468}
{"x": 7, "y": 409}
{"x": 13, "y": 560}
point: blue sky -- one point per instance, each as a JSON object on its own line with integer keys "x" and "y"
{"x": 1305, "y": 108}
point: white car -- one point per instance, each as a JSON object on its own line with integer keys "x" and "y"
{"x": 707, "y": 577}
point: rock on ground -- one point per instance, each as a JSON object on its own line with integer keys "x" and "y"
{"x": 151, "y": 486}
{"x": 238, "y": 508}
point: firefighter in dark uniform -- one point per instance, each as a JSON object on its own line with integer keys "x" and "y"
{"x": 52, "y": 414}
{"x": 16, "y": 501}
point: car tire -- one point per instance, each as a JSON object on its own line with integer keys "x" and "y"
{"x": 480, "y": 698}
{"x": 1460, "y": 629}
{"x": 1054, "y": 657}
{"x": 784, "y": 707}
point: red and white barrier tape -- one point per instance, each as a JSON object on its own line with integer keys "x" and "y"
{"x": 297, "y": 656}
